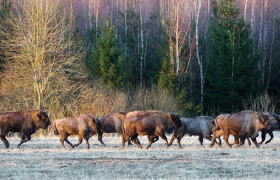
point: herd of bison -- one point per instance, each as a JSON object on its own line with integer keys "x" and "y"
{"x": 242, "y": 125}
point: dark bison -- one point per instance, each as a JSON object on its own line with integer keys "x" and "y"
{"x": 200, "y": 126}
{"x": 152, "y": 124}
{"x": 111, "y": 124}
{"x": 274, "y": 122}
{"x": 25, "y": 121}
{"x": 83, "y": 125}
{"x": 242, "y": 125}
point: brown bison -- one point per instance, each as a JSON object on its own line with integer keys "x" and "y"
{"x": 111, "y": 124}
{"x": 152, "y": 124}
{"x": 274, "y": 122}
{"x": 83, "y": 125}
{"x": 200, "y": 126}
{"x": 140, "y": 113}
{"x": 242, "y": 125}
{"x": 25, "y": 121}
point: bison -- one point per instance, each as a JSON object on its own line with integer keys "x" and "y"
{"x": 83, "y": 125}
{"x": 274, "y": 122}
{"x": 152, "y": 124}
{"x": 25, "y": 121}
{"x": 200, "y": 126}
{"x": 111, "y": 124}
{"x": 242, "y": 125}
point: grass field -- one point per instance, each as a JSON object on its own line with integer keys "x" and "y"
{"x": 43, "y": 158}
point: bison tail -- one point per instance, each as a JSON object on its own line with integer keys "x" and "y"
{"x": 122, "y": 131}
{"x": 216, "y": 126}
{"x": 55, "y": 129}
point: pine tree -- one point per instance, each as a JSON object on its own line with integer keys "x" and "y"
{"x": 167, "y": 76}
{"x": 232, "y": 68}
{"x": 107, "y": 59}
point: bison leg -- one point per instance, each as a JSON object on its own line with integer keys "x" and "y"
{"x": 5, "y": 141}
{"x": 179, "y": 142}
{"x": 263, "y": 138}
{"x": 63, "y": 137}
{"x": 174, "y": 136}
{"x": 271, "y": 137}
{"x": 255, "y": 142}
{"x": 152, "y": 139}
{"x": 136, "y": 141}
{"x": 124, "y": 139}
{"x": 216, "y": 134}
{"x": 236, "y": 141}
{"x": 225, "y": 137}
{"x": 163, "y": 136}
{"x": 86, "y": 139}
{"x": 249, "y": 142}
{"x": 24, "y": 139}
{"x": 79, "y": 142}
{"x": 200, "y": 139}
{"x": 68, "y": 142}
{"x": 100, "y": 135}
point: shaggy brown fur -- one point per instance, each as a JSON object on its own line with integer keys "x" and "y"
{"x": 153, "y": 124}
{"x": 242, "y": 125}
{"x": 111, "y": 124}
{"x": 24, "y": 121}
{"x": 83, "y": 125}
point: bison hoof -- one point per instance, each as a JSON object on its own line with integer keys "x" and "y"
{"x": 18, "y": 146}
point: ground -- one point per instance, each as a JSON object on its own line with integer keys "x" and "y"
{"x": 43, "y": 158}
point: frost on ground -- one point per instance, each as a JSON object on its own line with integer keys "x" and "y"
{"x": 43, "y": 158}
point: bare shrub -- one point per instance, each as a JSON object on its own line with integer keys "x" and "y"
{"x": 97, "y": 99}
{"x": 152, "y": 98}
{"x": 262, "y": 103}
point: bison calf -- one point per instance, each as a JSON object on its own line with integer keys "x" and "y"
{"x": 24, "y": 121}
{"x": 83, "y": 125}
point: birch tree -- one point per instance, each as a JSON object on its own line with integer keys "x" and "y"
{"x": 199, "y": 60}
{"x": 42, "y": 55}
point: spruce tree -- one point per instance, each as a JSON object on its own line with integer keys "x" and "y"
{"x": 232, "y": 68}
{"x": 107, "y": 59}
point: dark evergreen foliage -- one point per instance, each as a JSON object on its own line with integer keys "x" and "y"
{"x": 232, "y": 68}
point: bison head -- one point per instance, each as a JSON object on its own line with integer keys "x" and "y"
{"x": 277, "y": 117}
{"x": 44, "y": 120}
{"x": 264, "y": 119}
{"x": 176, "y": 121}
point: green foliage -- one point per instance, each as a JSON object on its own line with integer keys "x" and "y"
{"x": 167, "y": 76}
{"x": 278, "y": 103}
{"x": 107, "y": 59}
{"x": 232, "y": 68}
{"x": 188, "y": 108}
{"x": 5, "y": 11}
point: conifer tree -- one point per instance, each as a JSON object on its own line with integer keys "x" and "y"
{"x": 232, "y": 68}
{"x": 107, "y": 60}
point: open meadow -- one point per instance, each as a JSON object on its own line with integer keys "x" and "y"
{"x": 43, "y": 158}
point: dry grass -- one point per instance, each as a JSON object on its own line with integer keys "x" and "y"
{"x": 43, "y": 158}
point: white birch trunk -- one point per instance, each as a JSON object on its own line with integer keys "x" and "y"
{"x": 141, "y": 47}
{"x": 199, "y": 60}
{"x": 270, "y": 52}
{"x": 177, "y": 44}
{"x": 245, "y": 10}
{"x": 125, "y": 29}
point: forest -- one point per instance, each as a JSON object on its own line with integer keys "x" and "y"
{"x": 98, "y": 57}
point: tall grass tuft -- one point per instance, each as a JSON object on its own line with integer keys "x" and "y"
{"x": 262, "y": 103}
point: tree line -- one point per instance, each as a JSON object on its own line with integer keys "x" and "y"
{"x": 193, "y": 57}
